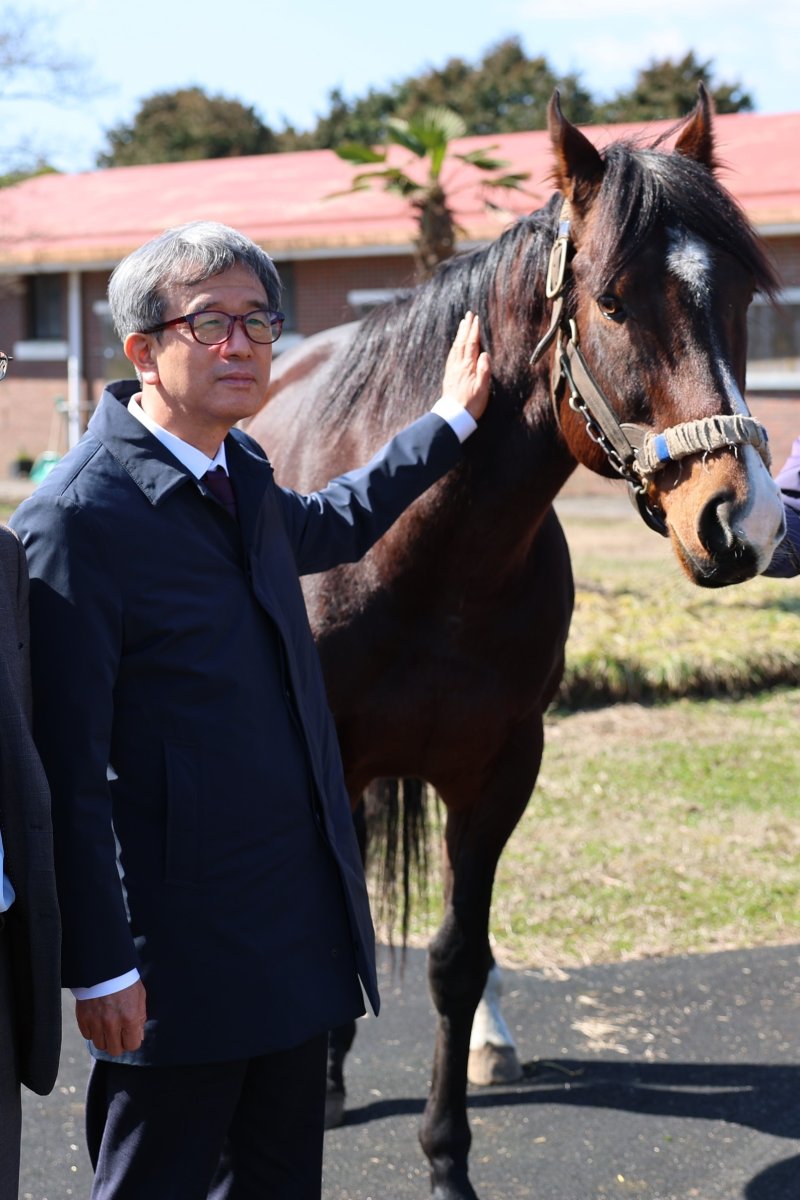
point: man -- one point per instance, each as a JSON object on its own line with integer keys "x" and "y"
{"x": 216, "y": 923}
{"x": 30, "y": 994}
{"x": 786, "y": 560}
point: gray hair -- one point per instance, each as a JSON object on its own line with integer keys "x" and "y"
{"x": 186, "y": 254}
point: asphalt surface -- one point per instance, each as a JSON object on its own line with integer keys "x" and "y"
{"x": 668, "y": 1079}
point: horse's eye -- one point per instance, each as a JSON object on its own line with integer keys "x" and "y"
{"x": 610, "y": 307}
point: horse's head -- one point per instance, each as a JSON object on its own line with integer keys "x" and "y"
{"x": 651, "y": 277}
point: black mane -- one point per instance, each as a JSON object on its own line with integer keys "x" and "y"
{"x": 399, "y": 348}
{"x": 398, "y": 352}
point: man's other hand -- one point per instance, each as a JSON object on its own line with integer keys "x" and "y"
{"x": 114, "y": 1023}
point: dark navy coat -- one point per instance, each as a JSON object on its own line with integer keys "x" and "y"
{"x": 181, "y": 716}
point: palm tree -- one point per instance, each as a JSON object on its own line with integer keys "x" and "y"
{"x": 427, "y": 136}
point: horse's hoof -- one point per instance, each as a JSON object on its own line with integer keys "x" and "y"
{"x": 492, "y": 1065}
{"x": 334, "y": 1110}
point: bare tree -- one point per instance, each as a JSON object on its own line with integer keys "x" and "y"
{"x": 33, "y": 67}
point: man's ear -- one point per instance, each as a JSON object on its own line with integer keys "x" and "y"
{"x": 138, "y": 348}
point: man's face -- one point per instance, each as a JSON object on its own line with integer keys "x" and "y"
{"x": 200, "y": 392}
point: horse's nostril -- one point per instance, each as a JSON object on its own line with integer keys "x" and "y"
{"x": 714, "y": 525}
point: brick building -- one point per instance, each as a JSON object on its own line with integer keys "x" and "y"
{"x": 60, "y": 236}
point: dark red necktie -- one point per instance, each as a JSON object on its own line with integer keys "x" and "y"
{"x": 221, "y": 488}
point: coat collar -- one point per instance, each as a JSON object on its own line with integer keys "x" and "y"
{"x": 155, "y": 471}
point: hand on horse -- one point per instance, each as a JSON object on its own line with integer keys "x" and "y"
{"x": 114, "y": 1023}
{"x": 467, "y": 372}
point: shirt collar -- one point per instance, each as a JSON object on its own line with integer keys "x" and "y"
{"x": 188, "y": 456}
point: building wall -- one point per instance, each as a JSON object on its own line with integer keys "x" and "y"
{"x": 321, "y": 286}
{"x": 33, "y": 395}
{"x": 786, "y": 253}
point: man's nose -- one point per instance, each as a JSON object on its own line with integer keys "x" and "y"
{"x": 238, "y": 342}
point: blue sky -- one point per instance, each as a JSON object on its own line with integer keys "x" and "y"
{"x": 283, "y": 58}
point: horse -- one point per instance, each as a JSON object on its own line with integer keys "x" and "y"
{"x": 615, "y": 318}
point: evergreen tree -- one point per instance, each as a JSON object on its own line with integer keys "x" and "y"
{"x": 668, "y": 89}
{"x": 184, "y": 125}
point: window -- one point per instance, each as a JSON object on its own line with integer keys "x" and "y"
{"x": 115, "y": 364}
{"x": 286, "y": 272}
{"x": 773, "y": 343}
{"x": 46, "y": 307}
{"x": 289, "y": 337}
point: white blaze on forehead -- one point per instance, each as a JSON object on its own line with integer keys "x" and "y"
{"x": 689, "y": 259}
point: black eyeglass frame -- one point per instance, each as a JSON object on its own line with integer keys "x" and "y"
{"x": 276, "y": 320}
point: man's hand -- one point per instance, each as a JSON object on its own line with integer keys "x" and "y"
{"x": 467, "y": 372}
{"x": 114, "y": 1023}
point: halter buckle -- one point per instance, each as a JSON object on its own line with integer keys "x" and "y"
{"x": 557, "y": 263}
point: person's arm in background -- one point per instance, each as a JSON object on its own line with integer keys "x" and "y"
{"x": 786, "y": 560}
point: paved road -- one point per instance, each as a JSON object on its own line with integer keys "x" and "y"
{"x": 671, "y": 1079}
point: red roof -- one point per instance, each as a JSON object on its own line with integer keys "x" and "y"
{"x": 280, "y": 200}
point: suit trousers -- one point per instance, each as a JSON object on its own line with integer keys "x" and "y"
{"x": 10, "y": 1106}
{"x": 246, "y": 1130}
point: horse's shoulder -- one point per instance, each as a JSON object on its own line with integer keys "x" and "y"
{"x": 310, "y": 354}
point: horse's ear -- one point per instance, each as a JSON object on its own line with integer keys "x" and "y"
{"x": 697, "y": 137}
{"x": 578, "y": 166}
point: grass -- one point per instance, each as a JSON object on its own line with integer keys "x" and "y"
{"x": 642, "y": 631}
{"x": 657, "y": 830}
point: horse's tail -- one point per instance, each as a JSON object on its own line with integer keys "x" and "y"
{"x": 396, "y": 849}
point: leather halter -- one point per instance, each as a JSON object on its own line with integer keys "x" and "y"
{"x": 635, "y": 452}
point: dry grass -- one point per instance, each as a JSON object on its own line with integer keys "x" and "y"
{"x": 642, "y": 632}
{"x": 657, "y": 831}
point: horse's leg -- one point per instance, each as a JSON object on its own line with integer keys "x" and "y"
{"x": 493, "y": 1057}
{"x": 459, "y": 958}
{"x": 340, "y": 1040}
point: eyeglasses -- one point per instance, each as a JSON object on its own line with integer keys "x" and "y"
{"x": 5, "y": 359}
{"x": 212, "y": 328}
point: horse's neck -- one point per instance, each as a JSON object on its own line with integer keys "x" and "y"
{"x": 514, "y": 467}
{"x": 520, "y": 450}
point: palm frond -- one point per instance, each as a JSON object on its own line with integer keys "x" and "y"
{"x": 359, "y": 153}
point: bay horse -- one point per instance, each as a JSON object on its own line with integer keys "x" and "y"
{"x": 615, "y": 317}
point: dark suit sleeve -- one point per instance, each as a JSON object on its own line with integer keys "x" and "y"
{"x": 339, "y": 523}
{"x": 76, "y": 635}
{"x": 786, "y": 560}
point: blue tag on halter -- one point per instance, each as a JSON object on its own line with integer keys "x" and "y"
{"x": 660, "y": 446}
